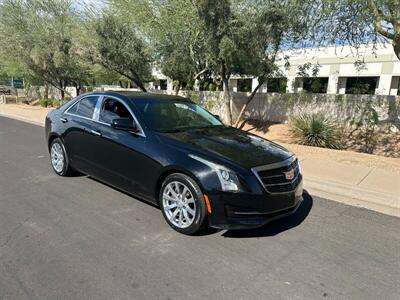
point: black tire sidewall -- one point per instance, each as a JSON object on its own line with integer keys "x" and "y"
{"x": 201, "y": 212}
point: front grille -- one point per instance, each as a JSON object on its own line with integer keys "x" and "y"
{"x": 275, "y": 180}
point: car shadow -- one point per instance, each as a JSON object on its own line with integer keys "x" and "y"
{"x": 278, "y": 226}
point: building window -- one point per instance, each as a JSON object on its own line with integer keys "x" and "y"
{"x": 276, "y": 85}
{"x": 163, "y": 84}
{"x": 244, "y": 85}
{"x": 315, "y": 85}
{"x": 361, "y": 85}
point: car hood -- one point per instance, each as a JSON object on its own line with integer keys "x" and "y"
{"x": 228, "y": 143}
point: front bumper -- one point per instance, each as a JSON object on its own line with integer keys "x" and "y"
{"x": 246, "y": 210}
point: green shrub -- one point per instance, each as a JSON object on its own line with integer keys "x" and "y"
{"x": 49, "y": 102}
{"x": 55, "y": 103}
{"x": 365, "y": 122}
{"x": 315, "y": 130}
{"x": 210, "y": 104}
{"x": 44, "y": 102}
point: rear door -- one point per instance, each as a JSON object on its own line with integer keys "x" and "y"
{"x": 79, "y": 120}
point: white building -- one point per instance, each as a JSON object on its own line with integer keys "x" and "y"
{"x": 338, "y": 72}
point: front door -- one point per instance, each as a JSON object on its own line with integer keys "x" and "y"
{"x": 120, "y": 156}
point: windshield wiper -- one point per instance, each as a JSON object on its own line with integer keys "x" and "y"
{"x": 173, "y": 130}
{"x": 204, "y": 127}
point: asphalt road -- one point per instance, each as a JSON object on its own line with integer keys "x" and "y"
{"x": 75, "y": 238}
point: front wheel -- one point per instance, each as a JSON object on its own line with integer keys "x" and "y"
{"x": 182, "y": 204}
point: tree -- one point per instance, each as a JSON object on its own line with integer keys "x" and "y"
{"x": 264, "y": 29}
{"x": 220, "y": 43}
{"x": 171, "y": 28}
{"x": 207, "y": 41}
{"x": 353, "y": 22}
{"x": 42, "y": 39}
{"x": 178, "y": 42}
{"x": 120, "y": 49}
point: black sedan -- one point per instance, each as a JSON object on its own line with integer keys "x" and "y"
{"x": 170, "y": 151}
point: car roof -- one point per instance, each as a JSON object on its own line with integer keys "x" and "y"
{"x": 132, "y": 95}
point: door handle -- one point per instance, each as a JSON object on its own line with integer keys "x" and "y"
{"x": 95, "y": 132}
{"x": 64, "y": 120}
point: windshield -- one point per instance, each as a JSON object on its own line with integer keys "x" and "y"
{"x": 169, "y": 116}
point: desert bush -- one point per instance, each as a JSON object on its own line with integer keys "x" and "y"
{"x": 44, "y": 102}
{"x": 365, "y": 123}
{"x": 315, "y": 130}
{"x": 49, "y": 102}
{"x": 55, "y": 103}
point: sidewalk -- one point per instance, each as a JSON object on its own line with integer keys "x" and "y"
{"x": 27, "y": 113}
{"x": 373, "y": 188}
{"x": 357, "y": 179}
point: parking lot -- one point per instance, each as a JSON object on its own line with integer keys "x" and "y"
{"x": 76, "y": 238}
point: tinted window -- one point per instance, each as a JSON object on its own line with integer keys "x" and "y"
{"x": 167, "y": 116}
{"x": 113, "y": 109}
{"x": 84, "y": 107}
{"x": 315, "y": 84}
{"x": 276, "y": 85}
{"x": 244, "y": 85}
{"x": 361, "y": 85}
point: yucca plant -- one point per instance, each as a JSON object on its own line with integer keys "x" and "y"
{"x": 315, "y": 130}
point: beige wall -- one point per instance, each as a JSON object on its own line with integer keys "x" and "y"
{"x": 279, "y": 108}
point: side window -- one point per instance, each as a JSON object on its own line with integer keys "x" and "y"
{"x": 84, "y": 107}
{"x": 113, "y": 109}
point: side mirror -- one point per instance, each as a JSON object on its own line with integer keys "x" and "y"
{"x": 124, "y": 124}
{"x": 218, "y": 117}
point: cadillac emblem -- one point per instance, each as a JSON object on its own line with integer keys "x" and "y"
{"x": 289, "y": 175}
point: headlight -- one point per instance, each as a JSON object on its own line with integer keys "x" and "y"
{"x": 298, "y": 165}
{"x": 228, "y": 179}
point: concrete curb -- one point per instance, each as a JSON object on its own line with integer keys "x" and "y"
{"x": 385, "y": 203}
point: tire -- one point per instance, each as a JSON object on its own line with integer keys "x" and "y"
{"x": 59, "y": 159}
{"x": 191, "y": 201}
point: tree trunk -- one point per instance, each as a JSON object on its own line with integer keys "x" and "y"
{"x": 78, "y": 89}
{"x": 140, "y": 85}
{"x": 249, "y": 99}
{"x": 137, "y": 80}
{"x": 46, "y": 91}
{"x": 177, "y": 89}
{"x": 62, "y": 89}
{"x": 396, "y": 45}
{"x": 227, "y": 101}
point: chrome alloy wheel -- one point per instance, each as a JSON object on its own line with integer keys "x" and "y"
{"x": 57, "y": 157}
{"x": 178, "y": 204}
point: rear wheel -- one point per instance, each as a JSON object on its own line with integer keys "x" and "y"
{"x": 59, "y": 159}
{"x": 182, "y": 204}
